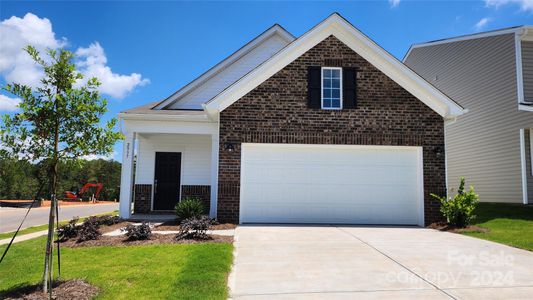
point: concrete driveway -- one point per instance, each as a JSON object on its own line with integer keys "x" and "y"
{"x": 317, "y": 262}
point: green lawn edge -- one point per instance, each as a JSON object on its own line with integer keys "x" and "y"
{"x": 509, "y": 224}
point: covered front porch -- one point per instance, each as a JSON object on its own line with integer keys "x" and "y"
{"x": 165, "y": 161}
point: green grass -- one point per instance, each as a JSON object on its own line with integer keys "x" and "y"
{"x": 8, "y": 235}
{"x": 195, "y": 271}
{"x": 510, "y": 224}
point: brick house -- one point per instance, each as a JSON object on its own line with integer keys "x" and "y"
{"x": 324, "y": 128}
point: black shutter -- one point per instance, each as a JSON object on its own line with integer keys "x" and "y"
{"x": 313, "y": 87}
{"x": 349, "y": 88}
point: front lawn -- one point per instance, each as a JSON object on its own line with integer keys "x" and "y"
{"x": 169, "y": 271}
{"x": 510, "y": 224}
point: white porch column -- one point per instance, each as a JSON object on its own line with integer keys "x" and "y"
{"x": 126, "y": 177}
{"x": 214, "y": 176}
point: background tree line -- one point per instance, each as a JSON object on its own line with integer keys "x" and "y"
{"x": 20, "y": 179}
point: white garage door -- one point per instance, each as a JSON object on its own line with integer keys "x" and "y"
{"x": 343, "y": 184}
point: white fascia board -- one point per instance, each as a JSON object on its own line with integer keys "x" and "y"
{"x": 353, "y": 38}
{"x": 169, "y": 127}
{"x": 276, "y": 29}
{"x": 162, "y": 117}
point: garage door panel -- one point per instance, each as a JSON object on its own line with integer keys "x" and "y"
{"x": 330, "y": 184}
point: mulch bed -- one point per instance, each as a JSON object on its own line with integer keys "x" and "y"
{"x": 76, "y": 289}
{"x": 154, "y": 239}
{"x": 443, "y": 226}
{"x": 122, "y": 224}
{"x": 173, "y": 225}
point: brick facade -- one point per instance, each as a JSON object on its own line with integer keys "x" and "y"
{"x": 202, "y": 192}
{"x": 143, "y": 198}
{"x": 276, "y": 112}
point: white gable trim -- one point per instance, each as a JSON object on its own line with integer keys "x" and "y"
{"x": 337, "y": 26}
{"x": 274, "y": 30}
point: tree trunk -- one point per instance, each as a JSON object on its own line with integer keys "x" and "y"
{"x": 48, "y": 266}
{"x": 47, "y": 276}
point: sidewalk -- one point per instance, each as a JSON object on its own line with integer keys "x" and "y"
{"x": 24, "y": 237}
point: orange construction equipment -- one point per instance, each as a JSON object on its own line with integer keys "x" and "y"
{"x": 72, "y": 195}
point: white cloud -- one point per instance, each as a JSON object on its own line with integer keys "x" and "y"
{"x": 8, "y": 104}
{"x": 525, "y": 5}
{"x": 17, "y": 66}
{"x": 92, "y": 63}
{"x": 17, "y": 33}
{"x": 481, "y": 24}
{"x": 394, "y": 3}
{"x": 110, "y": 156}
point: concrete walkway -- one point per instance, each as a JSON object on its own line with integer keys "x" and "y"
{"x": 328, "y": 262}
{"x": 24, "y": 237}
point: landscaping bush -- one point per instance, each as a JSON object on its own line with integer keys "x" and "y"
{"x": 459, "y": 210}
{"x": 69, "y": 230}
{"x": 89, "y": 230}
{"x": 194, "y": 228}
{"x": 108, "y": 220}
{"x": 189, "y": 207}
{"x": 138, "y": 232}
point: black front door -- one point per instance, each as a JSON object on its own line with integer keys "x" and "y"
{"x": 167, "y": 180}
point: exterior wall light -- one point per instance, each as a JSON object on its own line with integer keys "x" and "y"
{"x": 229, "y": 147}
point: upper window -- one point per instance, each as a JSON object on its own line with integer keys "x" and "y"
{"x": 331, "y": 88}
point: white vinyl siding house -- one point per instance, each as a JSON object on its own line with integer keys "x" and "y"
{"x": 484, "y": 145}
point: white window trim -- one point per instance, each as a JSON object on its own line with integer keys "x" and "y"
{"x": 531, "y": 149}
{"x": 322, "y": 87}
{"x": 523, "y": 165}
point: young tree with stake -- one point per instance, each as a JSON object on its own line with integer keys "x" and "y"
{"x": 60, "y": 120}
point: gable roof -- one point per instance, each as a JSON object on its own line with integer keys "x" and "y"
{"x": 525, "y": 32}
{"x": 344, "y": 31}
{"x": 276, "y": 30}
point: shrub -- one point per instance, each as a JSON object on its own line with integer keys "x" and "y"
{"x": 189, "y": 207}
{"x": 459, "y": 210}
{"x": 108, "y": 220}
{"x": 138, "y": 232}
{"x": 69, "y": 230}
{"x": 89, "y": 230}
{"x": 194, "y": 228}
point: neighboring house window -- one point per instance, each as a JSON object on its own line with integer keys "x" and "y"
{"x": 531, "y": 149}
{"x": 331, "y": 88}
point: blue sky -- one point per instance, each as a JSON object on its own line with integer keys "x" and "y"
{"x": 145, "y": 51}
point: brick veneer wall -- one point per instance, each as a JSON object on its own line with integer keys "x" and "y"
{"x": 143, "y": 198}
{"x": 276, "y": 112}
{"x": 203, "y": 192}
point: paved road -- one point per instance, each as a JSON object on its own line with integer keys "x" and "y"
{"x": 10, "y": 218}
{"x": 349, "y": 262}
